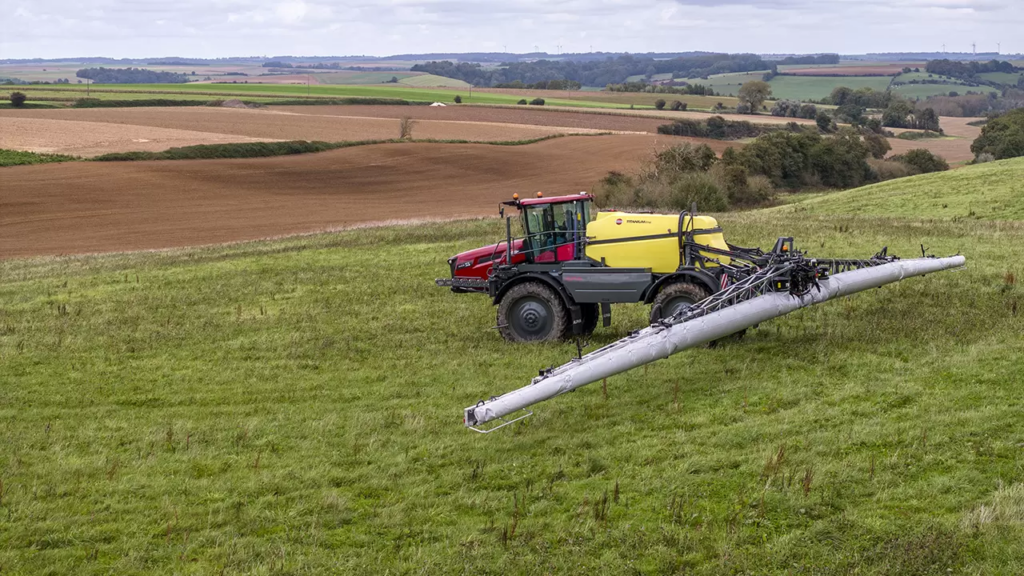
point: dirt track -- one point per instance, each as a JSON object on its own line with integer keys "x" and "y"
{"x": 84, "y": 207}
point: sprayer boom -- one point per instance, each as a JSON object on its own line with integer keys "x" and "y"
{"x": 786, "y": 285}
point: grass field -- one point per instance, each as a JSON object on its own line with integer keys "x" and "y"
{"x": 818, "y": 87}
{"x": 294, "y": 407}
{"x": 728, "y": 84}
{"x": 1002, "y": 77}
{"x": 926, "y": 90}
{"x": 276, "y": 91}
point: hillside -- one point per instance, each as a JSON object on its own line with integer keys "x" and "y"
{"x": 991, "y": 191}
{"x": 293, "y": 406}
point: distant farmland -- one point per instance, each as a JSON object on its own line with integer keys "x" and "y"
{"x": 817, "y": 87}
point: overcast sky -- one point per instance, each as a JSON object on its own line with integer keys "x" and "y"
{"x": 214, "y": 28}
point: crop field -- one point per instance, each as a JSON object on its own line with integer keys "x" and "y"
{"x": 83, "y": 207}
{"x": 818, "y": 87}
{"x": 1010, "y": 78}
{"x": 340, "y": 91}
{"x": 294, "y": 406}
{"x": 728, "y": 84}
{"x": 80, "y": 138}
{"x": 91, "y": 132}
{"x": 432, "y": 80}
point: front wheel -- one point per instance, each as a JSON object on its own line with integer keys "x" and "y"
{"x": 532, "y": 312}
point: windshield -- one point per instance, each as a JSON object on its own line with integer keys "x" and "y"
{"x": 553, "y": 231}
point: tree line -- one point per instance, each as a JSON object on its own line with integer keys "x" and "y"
{"x": 596, "y": 72}
{"x": 130, "y": 76}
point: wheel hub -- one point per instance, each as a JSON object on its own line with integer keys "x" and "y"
{"x": 531, "y": 318}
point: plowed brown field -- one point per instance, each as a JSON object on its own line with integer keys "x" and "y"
{"x": 84, "y": 207}
{"x": 94, "y": 138}
{"x": 90, "y": 132}
{"x": 956, "y": 148}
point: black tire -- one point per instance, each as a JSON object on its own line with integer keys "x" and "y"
{"x": 591, "y": 315}
{"x": 532, "y": 312}
{"x": 674, "y": 297}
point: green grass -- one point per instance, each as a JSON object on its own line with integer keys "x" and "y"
{"x": 990, "y": 191}
{"x": 19, "y": 158}
{"x": 818, "y": 87}
{"x": 294, "y": 407}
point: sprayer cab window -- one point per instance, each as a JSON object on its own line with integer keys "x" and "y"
{"x": 553, "y": 230}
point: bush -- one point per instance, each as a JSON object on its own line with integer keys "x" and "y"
{"x": 714, "y": 127}
{"x": 743, "y": 108}
{"x": 537, "y": 102}
{"x": 759, "y": 190}
{"x": 877, "y": 145}
{"x": 18, "y": 99}
{"x": 685, "y": 158}
{"x": 659, "y": 104}
{"x": 19, "y": 158}
{"x": 923, "y": 161}
{"x": 697, "y": 188}
{"x": 458, "y": 99}
{"x": 1002, "y": 137}
{"x": 808, "y": 111}
{"x": 522, "y": 102}
{"x": 678, "y": 106}
{"x": 882, "y": 170}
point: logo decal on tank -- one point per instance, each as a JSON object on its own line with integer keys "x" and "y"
{"x": 618, "y": 221}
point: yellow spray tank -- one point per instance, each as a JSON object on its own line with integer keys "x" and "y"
{"x": 631, "y": 240}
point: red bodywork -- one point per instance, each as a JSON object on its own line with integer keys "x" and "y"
{"x": 477, "y": 263}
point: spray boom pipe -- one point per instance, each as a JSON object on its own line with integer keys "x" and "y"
{"x": 680, "y": 333}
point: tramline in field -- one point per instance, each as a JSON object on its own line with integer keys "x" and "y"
{"x": 553, "y": 281}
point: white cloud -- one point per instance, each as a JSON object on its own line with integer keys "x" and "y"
{"x": 211, "y": 28}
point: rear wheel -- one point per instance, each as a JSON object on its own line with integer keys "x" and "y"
{"x": 675, "y": 297}
{"x": 532, "y": 312}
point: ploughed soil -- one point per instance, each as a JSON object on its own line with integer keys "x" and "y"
{"x": 955, "y": 147}
{"x": 80, "y": 138}
{"x": 85, "y": 207}
{"x": 90, "y": 132}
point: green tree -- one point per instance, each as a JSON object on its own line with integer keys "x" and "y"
{"x": 923, "y": 160}
{"x": 458, "y": 99}
{"x": 659, "y": 104}
{"x": 1002, "y": 137}
{"x": 877, "y": 144}
{"x": 754, "y": 93}
{"x": 18, "y": 99}
{"x": 824, "y": 122}
{"x": 895, "y": 116}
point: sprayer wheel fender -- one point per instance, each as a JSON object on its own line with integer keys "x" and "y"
{"x": 674, "y": 297}
{"x": 532, "y": 312}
